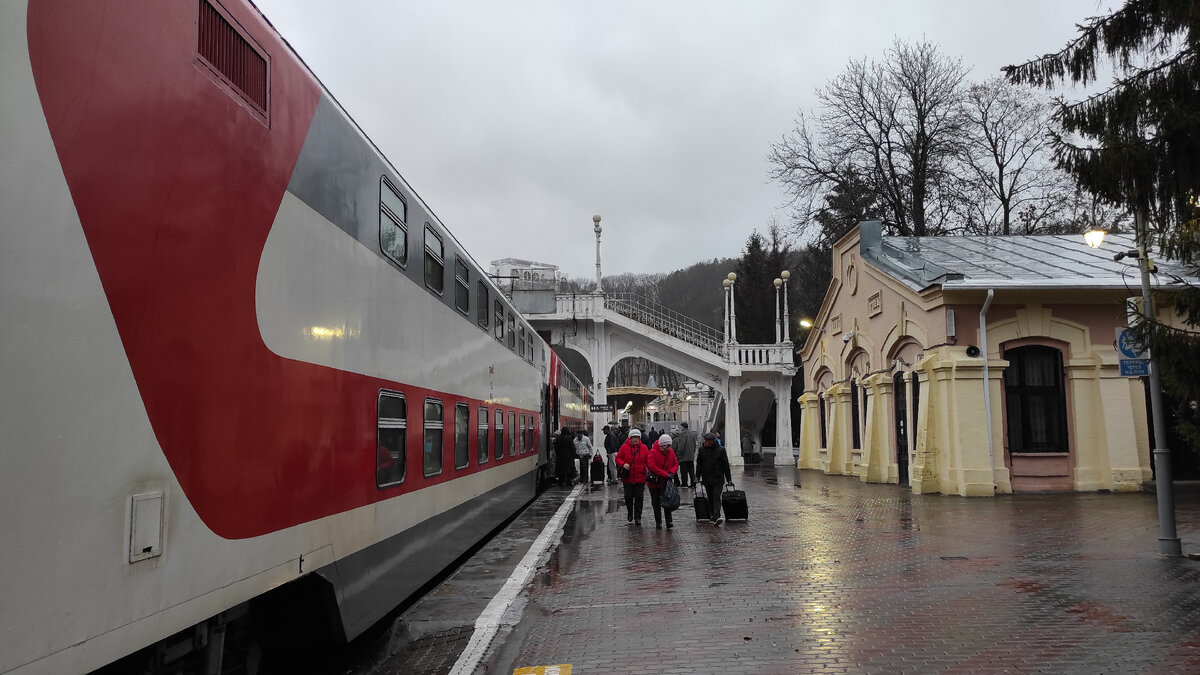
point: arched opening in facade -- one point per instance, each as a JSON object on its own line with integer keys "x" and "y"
{"x": 1035, "y": 405}
{"x": 904, "y": 388}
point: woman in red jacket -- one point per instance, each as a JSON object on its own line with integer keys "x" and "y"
{"x": 662, "y": 466}
{"x": 632, "y": 458}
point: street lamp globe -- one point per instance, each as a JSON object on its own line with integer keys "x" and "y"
{"x": 1094, "y": 237}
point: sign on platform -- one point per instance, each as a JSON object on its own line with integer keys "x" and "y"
{"x": 602, "y": 407}
{"x": 1134, "y": 360}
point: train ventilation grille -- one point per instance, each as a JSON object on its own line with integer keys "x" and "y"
{"x": 232, "y": 56}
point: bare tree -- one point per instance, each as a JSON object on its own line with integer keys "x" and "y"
{"x": 1008, "y": 153}
{"x": 895, "y": 126}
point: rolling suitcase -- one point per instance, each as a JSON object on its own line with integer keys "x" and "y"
{"x": 733, "y": 503}
{"x": 700, "y": 503}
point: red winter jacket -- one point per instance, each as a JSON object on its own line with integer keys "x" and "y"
{"x": 661, "y": 464}
{"x": 636, "y": 462}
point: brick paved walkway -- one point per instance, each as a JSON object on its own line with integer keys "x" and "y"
{"x": 842, "y": 576}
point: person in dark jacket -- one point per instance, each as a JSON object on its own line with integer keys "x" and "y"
{"x": 612, "y": 443}
{"x": 564, "y": 456}
{"x": 712, "y": 469}
{"x": 633, "y": 457}
{"x": 661, "y": 466}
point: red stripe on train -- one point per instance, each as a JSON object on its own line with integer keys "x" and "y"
{"x": 177, "y": 186}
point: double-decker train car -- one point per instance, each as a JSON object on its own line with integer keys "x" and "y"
{"x": 247, "y": 373}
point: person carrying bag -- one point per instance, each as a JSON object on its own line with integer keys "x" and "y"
{"x": 662, "y": 467}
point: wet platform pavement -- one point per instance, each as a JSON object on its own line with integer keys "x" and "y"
{"x": 829, "y": 575}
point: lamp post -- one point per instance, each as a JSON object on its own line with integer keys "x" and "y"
{"x": 787, "y": 319}
{"x": 778, "y": 329}
{"x": 597, "y": 229}
{"x": 731, "y": 278}
{"x": 726, "y": 283}
{"x": 1168, "y": 539}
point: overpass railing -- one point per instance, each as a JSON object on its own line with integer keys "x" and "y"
{"x": 667, "y": 321}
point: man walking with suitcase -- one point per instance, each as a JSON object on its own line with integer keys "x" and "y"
{"x": 712, "y": 469}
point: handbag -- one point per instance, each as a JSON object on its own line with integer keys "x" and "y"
{"x": 700, "y": 491}
{"x": 670, "y": 496}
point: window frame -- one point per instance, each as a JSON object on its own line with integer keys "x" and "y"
{"x": 438, "y": 425}
{"x": 462, "y": 286}
{"x": 498, "y": 328}
{"x": 512, "y": 442}
{"x": 400, "y": 423}
{"x": 482, "y": 308}
{"x": 399, "y": 221}
{"x": 498, "y": 431}
{"x": 462, "y": 435}
{"x": 438, "y": 259}
{"x": 484, "y": 431}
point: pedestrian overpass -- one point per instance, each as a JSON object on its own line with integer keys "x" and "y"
{"x": 605, "y": 328}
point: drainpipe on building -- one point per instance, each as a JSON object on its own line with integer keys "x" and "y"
{"x": 987, "y": 385}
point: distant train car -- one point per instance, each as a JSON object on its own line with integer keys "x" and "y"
{"x": 247, "y": 372}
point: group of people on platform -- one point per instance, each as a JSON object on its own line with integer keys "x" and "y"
{"x": 642, "y": 464}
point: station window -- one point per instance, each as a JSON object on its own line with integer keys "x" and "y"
{"x": 512, "y": 332}
{"x": 499, "y": 431}
{"x": 512, "y": 433}
{"x": 393, "y": 228}
{"x": 434, "y": 422}
{"x": 462, "y": 286}
{"x": 435, "y": 267}
{"x": 499, "y": 324}
{"x": 484, "y": 434}
{"x": 462, "y": 435}
{"x": 392, "y": 412}
{"x": 481, "y": 307}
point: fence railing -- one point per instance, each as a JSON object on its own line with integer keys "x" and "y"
{"x": 667, "y": 321}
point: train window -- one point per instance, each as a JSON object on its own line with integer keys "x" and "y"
{"x": 433, "y": 437}
{"x": 481, "y": 307}
{"x": 393, "y": 230}
{"x": 532, "y": 427}
{"x": 499, "y": 321}
{"x": 521, "y": 436}
{"x": 435, "y": 267}
{"x": 512, "y": 431}
{"x": 499, "y": 431}
{"x": 462, "y": 286}
{"x": 512, "y": 332}
{"x": 462, "y": 435}
{"x": 521, "y": 341}
{"x": 393, "y": 423}
{"x": 530, "y": 352}
{"x": 484, "y": 434}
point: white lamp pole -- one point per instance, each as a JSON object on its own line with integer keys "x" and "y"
{"x": 726, "y": 283}
{"x": 732, "y": 277}
{"x": 787, "y": 319}
{"x": 778, "y": 330}
{"x": 597, "y": 229}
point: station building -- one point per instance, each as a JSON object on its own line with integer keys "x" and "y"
{"x": 977, "y": 365}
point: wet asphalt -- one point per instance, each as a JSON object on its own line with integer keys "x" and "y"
{"x": 828, "y": 574}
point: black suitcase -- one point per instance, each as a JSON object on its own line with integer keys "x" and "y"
{"x": 733, "y": 503}
{"x": 701, "y": 506}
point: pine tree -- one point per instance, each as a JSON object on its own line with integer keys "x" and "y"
{"x": 1136, "y": 145}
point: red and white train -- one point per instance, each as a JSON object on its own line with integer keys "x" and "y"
{"x": 247, "y": 372}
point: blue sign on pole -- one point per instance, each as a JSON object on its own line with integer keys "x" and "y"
{"x": 1134, "y": 360}
{"x": 1135, "y": 367}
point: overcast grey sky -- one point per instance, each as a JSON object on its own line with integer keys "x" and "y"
{"x": 517, "y": 121}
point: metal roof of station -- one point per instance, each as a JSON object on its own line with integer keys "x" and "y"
{"x": 1022, "y": 261}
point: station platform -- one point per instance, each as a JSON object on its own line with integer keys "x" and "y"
{"x": 828, "y": 575}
